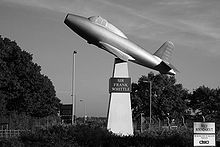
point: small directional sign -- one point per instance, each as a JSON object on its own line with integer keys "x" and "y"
{"x": 204, "y": 127}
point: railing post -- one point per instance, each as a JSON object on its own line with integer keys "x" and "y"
{"x": 9, "y": 133}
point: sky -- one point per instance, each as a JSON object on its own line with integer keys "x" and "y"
{"x": 192, "y": 25}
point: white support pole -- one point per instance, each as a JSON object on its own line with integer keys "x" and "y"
{"x": 73, "y": 88}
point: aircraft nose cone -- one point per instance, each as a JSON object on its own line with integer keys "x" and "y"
{"x": 75, "y": 22}
{"x": 70, "y": 19}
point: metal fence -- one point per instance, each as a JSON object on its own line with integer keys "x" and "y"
{"x": 9, "y": 133}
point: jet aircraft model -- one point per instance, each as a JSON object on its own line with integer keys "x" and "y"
{"x": 98, "y": 31}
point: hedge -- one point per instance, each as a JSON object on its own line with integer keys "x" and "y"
{"x": 85, "y": 135}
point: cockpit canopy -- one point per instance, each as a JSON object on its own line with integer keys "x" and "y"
{"x": 104, "y": 23}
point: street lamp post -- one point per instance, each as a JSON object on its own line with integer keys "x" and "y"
{"x": 73, "y": 90}
{"x": 168, "y": 120}
{"x": 84, "y": 110}
{"x": 203, "y": 118}
{"x": 150, "y": 82}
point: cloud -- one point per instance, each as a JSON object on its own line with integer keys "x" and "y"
{"x": 178, "y": 2}
{"x": 54, "y": 5}
{"x": 203, "y": 28}
{"x": 188, "y": 22}
{"x": 193, "y": 23}
{"x": 34, "y": 3}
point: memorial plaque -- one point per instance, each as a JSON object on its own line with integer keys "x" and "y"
{"x": 121, "y": 85}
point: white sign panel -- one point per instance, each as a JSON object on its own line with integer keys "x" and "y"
{"x": 204, "y": 127}
{"x": 204, "y": 140}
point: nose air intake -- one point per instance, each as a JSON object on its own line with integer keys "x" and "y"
{"x": 66, "y": 20}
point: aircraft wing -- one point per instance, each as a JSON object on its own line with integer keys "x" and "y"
{"x": 115, "y": 51}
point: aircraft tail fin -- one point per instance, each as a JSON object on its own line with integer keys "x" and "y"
{"x": 165, "y": 51}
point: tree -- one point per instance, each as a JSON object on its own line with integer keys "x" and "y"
{"x": 168, "y": 98}
{"x": 205, "y": 102}
{"x": 22, "y": 86}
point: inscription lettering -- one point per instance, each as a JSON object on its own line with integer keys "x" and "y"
{"x": 120, "y": 85}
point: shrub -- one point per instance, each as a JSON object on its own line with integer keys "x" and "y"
{"x": 85, "y": 135}
{"x": 10, "y": 142}
{"x": 56, "y": 136}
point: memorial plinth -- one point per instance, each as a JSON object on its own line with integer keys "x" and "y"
{"x": 119, "y": 110}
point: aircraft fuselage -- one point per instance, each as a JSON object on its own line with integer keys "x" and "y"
{"x": 99, "y": 36}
